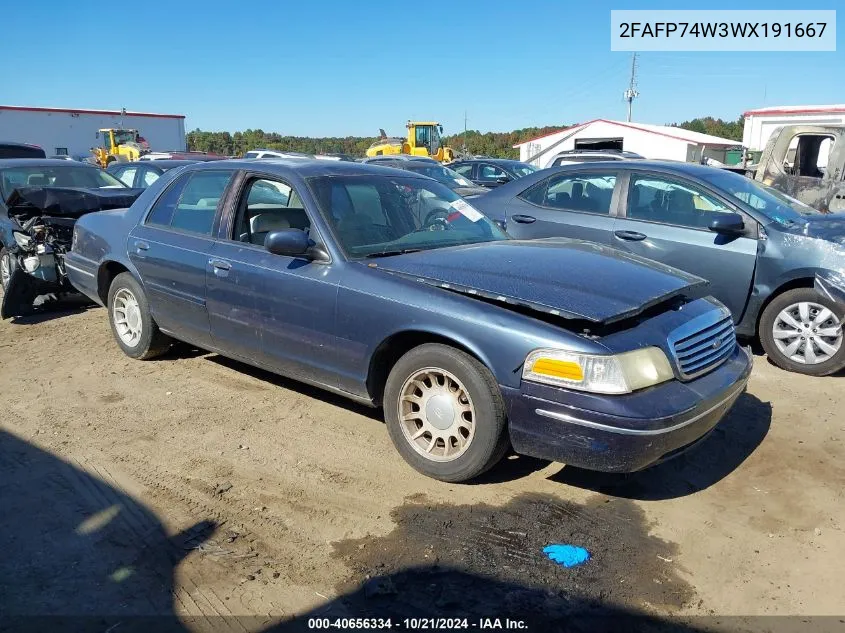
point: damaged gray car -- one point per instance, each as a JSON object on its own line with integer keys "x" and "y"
{"x": 40, "y": 201}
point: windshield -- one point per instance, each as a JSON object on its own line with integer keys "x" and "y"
{"x": 448, "y": 177}
{"x": 521, "y": 169}
{"x": 124, "y": 136}
{"x": 377, "y": 215}
{"x": 772, "y": 203}
{"x": 56, "y": 176}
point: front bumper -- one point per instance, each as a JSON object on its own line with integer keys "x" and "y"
{"x": 623, "y": 433}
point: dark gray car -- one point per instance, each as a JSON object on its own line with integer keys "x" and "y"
{"x": 760, "y": 249}
{"x": 427, "y": 167}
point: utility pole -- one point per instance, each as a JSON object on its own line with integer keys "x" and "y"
{"x": 631, "y": 92}
{"x": 464, "y": 148}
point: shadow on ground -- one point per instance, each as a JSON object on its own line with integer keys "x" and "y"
{"x": 731, "y": 443}
{"x": 49, "y": 307}
{"x": 79, "y": 554}
{"x": 299, "y": 387}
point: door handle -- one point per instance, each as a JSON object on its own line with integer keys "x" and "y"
{"x": 631, "y": 236}
{"x": 524, "y": 219}
{"x": 142, "y": 246}
{"x": 220, "y": 264}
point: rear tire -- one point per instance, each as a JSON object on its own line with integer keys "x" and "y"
{"x": 807, "y": 314}
{"x": 131, "y": 322}
{"x": 444, "y": 413}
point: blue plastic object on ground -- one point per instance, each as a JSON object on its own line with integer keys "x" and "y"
{"x": 567, "y": 555}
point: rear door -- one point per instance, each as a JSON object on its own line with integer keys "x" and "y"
{"x": 666, "y": 219}
{"x": 576, "y": 204}
{"x": 171, "y": 247}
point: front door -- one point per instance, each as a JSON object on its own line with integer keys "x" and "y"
{"x": 667, "y": 220}
{"x": 576, "y": 204}
{"x": 276, "y": 310}
{"x": 170, "y": 250}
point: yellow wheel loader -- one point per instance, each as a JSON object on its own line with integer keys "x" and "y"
{"x": 119, "y": 145}
{"x": 423, "y": 140}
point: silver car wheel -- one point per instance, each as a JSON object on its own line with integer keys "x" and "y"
{"x": 807, "y": 333}
{"x": 127, "y": 317}
{"x": 5, "y": 270}
{"x": 436, "y": 414}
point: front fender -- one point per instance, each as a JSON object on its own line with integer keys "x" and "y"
{"x": 831, "y": 285}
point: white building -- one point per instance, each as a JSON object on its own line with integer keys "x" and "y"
{"x": 760, "y": 123}
{"x": 651, "y": 141}
{"x": 74, "y": 131}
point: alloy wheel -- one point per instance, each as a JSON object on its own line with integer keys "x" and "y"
{"x": 436, "y": 414}
{"x": 807, "y": 333}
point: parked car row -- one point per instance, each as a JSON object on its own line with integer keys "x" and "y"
{"x": 611, "y": 352}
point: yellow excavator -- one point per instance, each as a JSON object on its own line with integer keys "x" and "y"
{"x": 121, "y": 145}
{"x": 424, "y": 139}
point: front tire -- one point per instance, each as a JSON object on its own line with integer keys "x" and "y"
{"x": 444, "y": 413}
{"x": 801, "y": 331}
{"x": 131, "y": 322}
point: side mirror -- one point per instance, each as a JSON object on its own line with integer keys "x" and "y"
{"x": 727, "y": 223}
{"x": 287, "y": 242}
{"x": 503, "y": 179}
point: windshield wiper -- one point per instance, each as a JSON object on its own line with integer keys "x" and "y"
{"x": 394, "y": 252}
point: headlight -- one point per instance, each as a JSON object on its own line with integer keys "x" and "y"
{"x": 615, "y": 374}
{"x": 23, "y": 240}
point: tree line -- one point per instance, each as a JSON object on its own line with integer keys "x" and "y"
{"x": 496, "y": 144}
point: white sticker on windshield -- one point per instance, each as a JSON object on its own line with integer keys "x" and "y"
{"x": 467, "y": 210}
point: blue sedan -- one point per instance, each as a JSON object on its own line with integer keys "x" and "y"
{"x": 388, "y": 288}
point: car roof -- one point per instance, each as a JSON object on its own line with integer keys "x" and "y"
{"x": 18, "y": 144}
{"x": 169, "y": 163}
{"x": 302, "y": 167}
{"x": 500, "y": 161}
{"x": 664, "y": 166}
{"x": 399, "y": 157}
{"x": 42, "y": 162}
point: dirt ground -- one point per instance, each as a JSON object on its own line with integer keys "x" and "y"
{"x": 197, "y": 486}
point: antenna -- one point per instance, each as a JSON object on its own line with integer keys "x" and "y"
{"x": 631, "y": 92}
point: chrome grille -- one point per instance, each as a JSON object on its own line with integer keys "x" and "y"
{"x": 703, "y": 343}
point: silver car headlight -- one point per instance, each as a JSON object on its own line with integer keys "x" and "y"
{"x": 611, "y": 374}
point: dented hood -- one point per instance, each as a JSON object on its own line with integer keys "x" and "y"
{"x": 570, "y": 278}
{"x": 68, "y": 202}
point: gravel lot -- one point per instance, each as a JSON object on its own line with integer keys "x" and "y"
{"x": 199, "y": 486}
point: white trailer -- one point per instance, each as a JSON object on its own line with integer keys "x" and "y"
{"x": 72, "y": 131}
{"x": 760, "y": 123}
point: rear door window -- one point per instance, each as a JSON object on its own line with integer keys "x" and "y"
{"x": 584, "y": 192}
{"x": 127, "y": 175}
{"x": 464, "y": 170}
{"x": 190, "y": 203}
